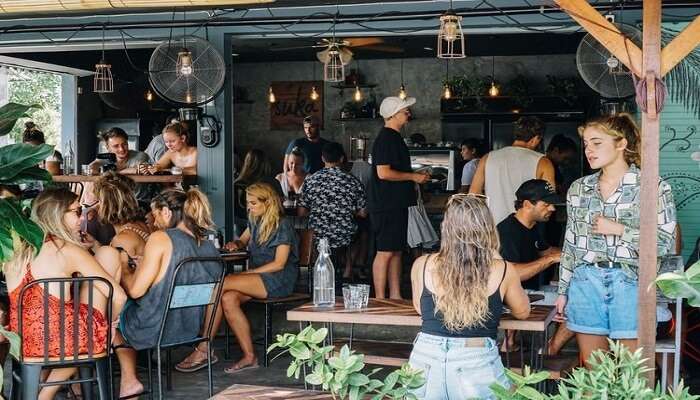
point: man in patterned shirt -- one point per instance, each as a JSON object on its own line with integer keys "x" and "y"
{"x": 333, "y": 199}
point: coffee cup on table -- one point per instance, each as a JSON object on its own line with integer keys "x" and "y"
{"x": 53, "y": 167}
{"x": 176, "y": 170}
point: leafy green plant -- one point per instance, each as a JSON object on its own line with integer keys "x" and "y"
{"x": 617, "y": 374}
{"x": 685, "y": 284}
{"x": 13, "y": 340}
{"x": 341, "y": 374}
{"x": 10, "y": 113}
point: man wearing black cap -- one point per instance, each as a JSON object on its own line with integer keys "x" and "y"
{"x": 522, "y": 237}
{"x": 311, "y": 144}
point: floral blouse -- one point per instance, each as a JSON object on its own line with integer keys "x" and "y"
{"x": 584, "y": 202}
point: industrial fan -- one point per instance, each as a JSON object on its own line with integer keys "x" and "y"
{"x": 187, "y": 71}
{"x": 601, "y": 70}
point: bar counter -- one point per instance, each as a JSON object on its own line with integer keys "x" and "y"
{"x": 136, "y": 178}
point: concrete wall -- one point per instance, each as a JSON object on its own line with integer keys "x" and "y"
{"x": 422, "y": 77}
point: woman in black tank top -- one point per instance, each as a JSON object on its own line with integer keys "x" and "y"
{"x": 459, "y": 293}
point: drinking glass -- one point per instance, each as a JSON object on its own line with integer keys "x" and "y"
{"x": 86, "y": 169}
{"x": 364, "y": 294}
{"x": 176, "y": 171}
{"x": 352, "y": 297}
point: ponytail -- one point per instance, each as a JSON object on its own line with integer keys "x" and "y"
{"x": 191, "y": 208}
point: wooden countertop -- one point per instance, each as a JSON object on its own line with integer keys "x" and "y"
{"x": 136, "y": 178}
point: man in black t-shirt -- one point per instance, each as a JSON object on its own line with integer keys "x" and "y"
{"x": 523, "y": 242}
{"x": 390, "y": 193}
{"x": 311, "y": 145}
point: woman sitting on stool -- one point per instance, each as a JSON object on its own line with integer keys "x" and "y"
{"x": 272, "y": 243}
{"x": 459, "y": 293}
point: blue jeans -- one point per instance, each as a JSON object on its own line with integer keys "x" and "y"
{"x": 453, "y": 371}
{"x": 602, "y": 301}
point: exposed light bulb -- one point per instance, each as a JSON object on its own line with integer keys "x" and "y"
{"x": 402, "y": 92}
{"x": 450, "y": 31}
{"x": 188, "y": 97}
{"x": 184, "y": 63}
{"x": 357, "y": 96}
{"x": 447, "y": 94}
{"x": 493, "y": 91}
{"x": 149, "y": 95}
{"x": 271, "y": 95}
{"x": 314, "y": 94}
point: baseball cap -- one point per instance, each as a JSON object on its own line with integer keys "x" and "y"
{"x": 538, "y": 189}
{"x": 392, "y": 105}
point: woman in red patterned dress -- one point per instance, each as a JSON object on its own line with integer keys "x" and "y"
{"x": 63, "y": 254}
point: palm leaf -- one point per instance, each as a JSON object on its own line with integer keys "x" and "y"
{"x": 683, "y": 81}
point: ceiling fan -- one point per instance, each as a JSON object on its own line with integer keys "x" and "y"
{"x": 345, "y": 47}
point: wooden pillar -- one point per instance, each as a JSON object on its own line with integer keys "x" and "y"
{"x": 651, "y": 65}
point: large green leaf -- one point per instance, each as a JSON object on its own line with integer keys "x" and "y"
{"x": 686, "y": 285}
{"x": 16, "y": 158}
{"x": 32, "y": 174}
{"x": 6, "y": 243}
{"x": 13, "y": 220}
{"x": 10, "y": 113}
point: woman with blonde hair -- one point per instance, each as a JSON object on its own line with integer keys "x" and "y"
{"x": 184, "y": 219}
{"x": 62, "y": 254}
{"x": 598, "y": 279}
{"x": 459, "y": 293}
{"x": 119, "y": 208}
{"x": 272, "y": 244}
{"x": 179, "y": 153}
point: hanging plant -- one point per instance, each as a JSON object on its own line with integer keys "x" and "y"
{"x": 683, "y": 81}
{"x": 518, "y": 89}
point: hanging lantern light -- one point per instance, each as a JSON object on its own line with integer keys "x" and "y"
{"x": 314, "y": 94}
{"x": 103, "y": 81}
{"x": 149, "y": 95}
{"x": 333, "y": 68}
{"x": 271, "y": 96}
{"x": 184, "y": 62}
{"x": 357, "y": 95}
{"x": 450, "y": 37}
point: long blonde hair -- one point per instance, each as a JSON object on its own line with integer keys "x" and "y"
{"x": 118, "y": 204}
{"x": 48, "y": 211}
{"x": 270, "y": 221}
{"x": 191, "y": 207}
{"x": 469, "y": 242}
{"x": 620, "y": 126}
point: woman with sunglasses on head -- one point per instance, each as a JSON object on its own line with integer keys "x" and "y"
{"x": 598, "y": 281}
{"x": 62, "y": 254}
{"x": 185, "y": 220}
{"x": 459, "y": 293}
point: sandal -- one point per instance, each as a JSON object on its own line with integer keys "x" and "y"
{"x": 192, "y": 366}
{"x": 234, "y": 369}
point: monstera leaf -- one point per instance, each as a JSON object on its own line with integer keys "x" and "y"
{"x": 685, "y": 285}
{"x": 19, "y": 161}
{"x": 10, "y": 113}
{"x": 14, "y": 225}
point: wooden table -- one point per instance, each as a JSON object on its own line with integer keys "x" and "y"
{"x": 136, "y": 178}
{"x": 252, "y": 392}
{"x": 402, "y": 313}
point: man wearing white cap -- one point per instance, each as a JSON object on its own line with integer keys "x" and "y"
{"x": 390, "y": 194}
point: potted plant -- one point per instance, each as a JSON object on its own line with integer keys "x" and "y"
{"x": 342, "y": 373}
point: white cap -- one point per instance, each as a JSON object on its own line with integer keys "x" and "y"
{"x": 392, "y": 105}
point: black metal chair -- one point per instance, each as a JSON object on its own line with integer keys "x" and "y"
{"x": 190, "y": 295}
{"x": 26, "y": 371}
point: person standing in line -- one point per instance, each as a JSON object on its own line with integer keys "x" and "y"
{"x": 598, "y": 272}
{"x": 311, "y": 145}
{"x": 470, "y": 152}
{"x": 390, "y": 193}
{"x": 502, "y": 171}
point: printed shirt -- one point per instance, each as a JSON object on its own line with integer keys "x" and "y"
{"x": 333, "y": 198}
{"x": 584, "y": 202}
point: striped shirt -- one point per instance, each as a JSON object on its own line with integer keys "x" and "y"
{"x": 584, "y": 203}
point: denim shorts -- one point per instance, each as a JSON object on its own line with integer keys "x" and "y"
{"x": 602, "y": 301}
{"x": 453, "y": 371}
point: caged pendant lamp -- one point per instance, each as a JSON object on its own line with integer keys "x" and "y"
{"x": 333, "y": 69}
{"x": 450, "y": 37}
{"x": 103, "y": 81}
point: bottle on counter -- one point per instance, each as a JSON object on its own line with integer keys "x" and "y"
{"x": 324, "y": 277}
{"x": 68, "y": 159}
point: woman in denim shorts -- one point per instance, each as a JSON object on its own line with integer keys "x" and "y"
{"x": 598, "y": 279}
{"x": 459, "y": 293}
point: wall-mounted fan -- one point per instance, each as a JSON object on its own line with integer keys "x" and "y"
{"x": 187, "y": 71}
{"x": 601, "y": 70}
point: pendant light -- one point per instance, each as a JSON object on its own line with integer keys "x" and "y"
{"x": 402, "y": 89}
{"x": 103, "y": 81}
{"x": 149, "y": 95}
{"x": 313, "y": 95}
{"x": 447, "y": 92}
{"x": 493, "y": 91}
{"x": 357, "y": 95}
{"x": 271, "y": 95}
{"x": 333, "y": 69}
{"x": 450, "y": 37}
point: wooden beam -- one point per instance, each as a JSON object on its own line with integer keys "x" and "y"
{"x": 649, "y": 192}
{"x": 605, "y": 32}
{"x": 680, "y": 46}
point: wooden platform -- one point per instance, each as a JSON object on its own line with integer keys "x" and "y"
{"x": 252, "y": 392}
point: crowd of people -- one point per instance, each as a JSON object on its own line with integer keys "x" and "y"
{"x": 493, "y": 245}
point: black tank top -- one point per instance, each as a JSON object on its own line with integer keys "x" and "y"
{"x": 433, "y": 321}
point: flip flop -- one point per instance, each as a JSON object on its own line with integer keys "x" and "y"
{"x": 233, "y": 370}
{"x": 195, "y": 366}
